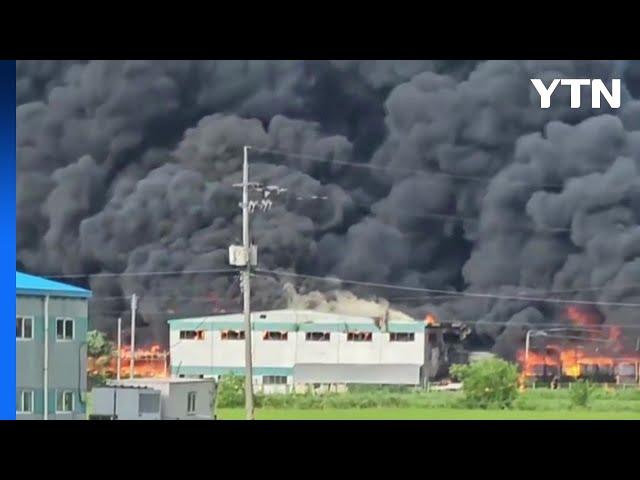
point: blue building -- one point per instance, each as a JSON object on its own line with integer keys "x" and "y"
{"x": 51, "y": 349}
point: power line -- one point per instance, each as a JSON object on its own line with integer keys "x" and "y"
{"x": 555, "y": 292}
{"x": 438, "y": 216}
{"x": 317, "y": 158}
{"x": 462, "y": 294}
{"x": 161, "y": 297}
{"x": 444, "y": 216}
{"x": 203, "y": 316}
{"x": 143, "y": 274}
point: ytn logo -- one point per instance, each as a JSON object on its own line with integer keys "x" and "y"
{"x": 598, "y": 89}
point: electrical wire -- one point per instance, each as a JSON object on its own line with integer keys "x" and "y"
{"x": 460, "y": 294}
{"x": 144, "y": 274}
{"x": 317, "y": 158}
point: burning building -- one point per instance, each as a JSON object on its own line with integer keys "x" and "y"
{"x": 297, "y": 348}
{"x": 439, "y": 175}
{"x": 585, "y": 348}
{"x": 444, "y": 346}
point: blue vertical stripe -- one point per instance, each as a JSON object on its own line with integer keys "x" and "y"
{"x": 8, "y": 237}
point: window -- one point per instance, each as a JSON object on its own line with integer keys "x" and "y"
{"x": 24, "y": 328}
{"x": 317, "y": 336}
{"x": 359, "y": 336}
{"x": 232, "y": 335}
{"x": 64, "y": 328}
{"x": 64, "y": 401}
{"x": 191, "y": 334}
{"x": 275, "y": 336}
{"x": 274, "y": 380}
{"x": 191, "y": 402}
{"x": 26, "y": 402}
{"x": 148, "y": 403}
{"x": 401, "y": 337}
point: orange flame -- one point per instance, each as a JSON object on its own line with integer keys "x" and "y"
{"x": 431, "y": 320}
{"x": 148, "y": 362}
{"x": 600, "y": 352}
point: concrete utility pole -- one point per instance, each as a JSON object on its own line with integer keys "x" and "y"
{"x": 134, "y": 306}
{"x": 245, "y": 256}
{"x": 246, "y": 243}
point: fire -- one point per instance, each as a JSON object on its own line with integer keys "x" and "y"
{"x": 431, "y": 320}
{"x": 148, "y": 362}
{"x": 582, "y": 318}
{"x": 574, "y": 362}
{"x": 597, "y": 351}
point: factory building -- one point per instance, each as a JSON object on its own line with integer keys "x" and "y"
{"x": 293, "y": 348}
{"x": 51, "y": 349}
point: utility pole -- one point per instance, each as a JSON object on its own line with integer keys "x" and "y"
{"x": 245, "y": 256}
{"x": 134, "y": 305}
{"x": 119, "y": 348}
{"x": 246, "y": 243}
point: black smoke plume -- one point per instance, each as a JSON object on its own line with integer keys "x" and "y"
{"x": 128, "y": 167}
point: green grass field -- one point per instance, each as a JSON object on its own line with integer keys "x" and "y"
{"x": 425, "y": 414}
{"x": 387, "y": 404}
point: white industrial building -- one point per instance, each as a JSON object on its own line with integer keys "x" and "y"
{"x": 292, "y": 348}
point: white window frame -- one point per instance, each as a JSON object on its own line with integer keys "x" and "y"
{"x": 64, "y": 329}
{"x": 22, "y": 411}
{"x": 191, "y": 395}
{"x": 22, "y": 319}
{"x": 73, "y": 401}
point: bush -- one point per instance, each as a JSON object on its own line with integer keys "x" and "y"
{"x": 580, "y": 393}
{"x": 96, "y": 380}
{"x": 230, "y": 391}
{"x": 491, "y": 383}
{"x": 98, "y": 345}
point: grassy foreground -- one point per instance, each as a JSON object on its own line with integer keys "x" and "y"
{"x": 406, "y": 404}
{"x": 425, "y": 414}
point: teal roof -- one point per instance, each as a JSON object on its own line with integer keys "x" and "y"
{"x": 32, "y": 285}
{"x": 293, "y": 320}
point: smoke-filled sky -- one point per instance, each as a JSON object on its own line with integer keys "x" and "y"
{"x": 128, "y": 166}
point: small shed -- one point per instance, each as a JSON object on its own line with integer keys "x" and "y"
{"x": 126, "y": 403}
{"x": 180, "y": 398}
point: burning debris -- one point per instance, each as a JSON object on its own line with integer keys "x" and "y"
{"x": 586, "y": 348}
{"x": 152, "y": 362}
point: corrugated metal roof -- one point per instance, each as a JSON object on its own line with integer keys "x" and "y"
{"x": 32, "y": 285}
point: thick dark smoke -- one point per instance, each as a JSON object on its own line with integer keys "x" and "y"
{"x": 129, "y": 166}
